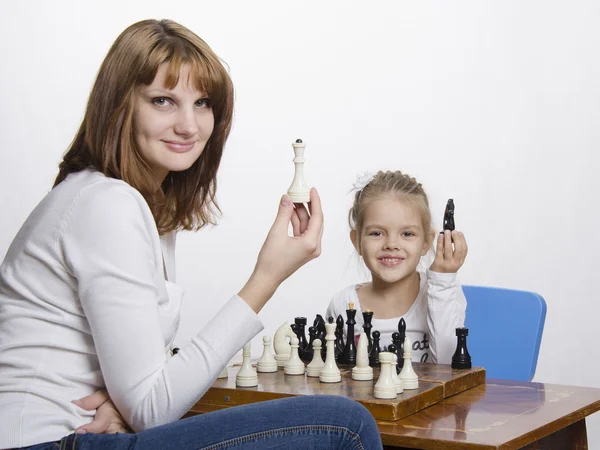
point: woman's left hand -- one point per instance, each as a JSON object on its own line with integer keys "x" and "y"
{"x": 449, "y": 258}
{"x": 107, "y": 420}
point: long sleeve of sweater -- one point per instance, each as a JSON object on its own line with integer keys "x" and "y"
{"x": 447, "y": 307}
{"x": 109, "y": 244}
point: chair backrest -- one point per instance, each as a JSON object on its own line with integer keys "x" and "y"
{"x": 505, "y": 330}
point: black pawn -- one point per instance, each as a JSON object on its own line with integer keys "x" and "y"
{"x": 393, "y": 349}
{"x": 461, "y": 359}
{"x": 309, "y": 351}
{"x": 376, "y": 350}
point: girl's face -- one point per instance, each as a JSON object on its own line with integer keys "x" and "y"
{"x": 171, "y": 126}
{"x": 393, "y": 239}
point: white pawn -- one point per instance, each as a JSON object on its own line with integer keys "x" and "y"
{"x": 267, "y": 362}
{"x": 385, "y": 386}
{"x": 281, "y": 345}
{"x": 247, "y": 376}
{"x": 330, "y": 372}
{"x": 410, "y": 379}
{"x": 299, "y": 191}
{"x": 397, "y": 380}
{"x": 294, "y": 365}
{"x": 362, "y": 371}
{"x": 314, "y": 367}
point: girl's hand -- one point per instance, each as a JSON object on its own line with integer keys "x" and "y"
{"x": 281, "y": 255}
{"x": 447, "y": 259}
{"x": 107, "y": 419}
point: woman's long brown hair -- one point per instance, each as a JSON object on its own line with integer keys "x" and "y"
{"x": 104, "y": 142}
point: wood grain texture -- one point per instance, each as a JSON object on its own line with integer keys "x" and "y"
{"x": 435, "y": 383}
{"x": 499, "y": 415}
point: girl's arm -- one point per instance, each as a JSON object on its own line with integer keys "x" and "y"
{"x": 446, "y": 301}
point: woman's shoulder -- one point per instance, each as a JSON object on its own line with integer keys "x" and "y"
{"x": 96, "y": 200}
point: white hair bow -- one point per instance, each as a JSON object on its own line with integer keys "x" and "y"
{"x": 362, "y": 180}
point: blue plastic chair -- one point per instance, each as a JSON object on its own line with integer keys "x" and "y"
{"x": 505, "y": 331}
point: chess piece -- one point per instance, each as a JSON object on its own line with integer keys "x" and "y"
{"x": 410, "y": 380}
{"x": 316, "y": 365}
{"x": 294, "y": 365}
{"x": 299, "y": 191}
{"x": 307, "y": 355}
{"x": 281, "y": 345}
{"x": 362, "y": 371}
{"x": 449, "y": 216}
{"x": 267, "y": 362}
{"x": 397, "y": 348}
{"x": 399, "y": 386}
{"x": 385, "y": 386}
{"x": 367, "y": 326}
{"x": 300, "y": 333}
{"x": 402, "y": 332}
{"x": 461, "y": 358}
{"x": 246, "y": 376}
{"x": 339, "y": 337}
{"x": 349, "y": 355}
{"x": 330, "y": 372}
{"x": 375, "y": 350}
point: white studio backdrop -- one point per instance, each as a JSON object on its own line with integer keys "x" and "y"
{"x": 493, "y": 103}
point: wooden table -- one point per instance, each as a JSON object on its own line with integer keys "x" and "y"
{"x": 499, "y": 415}
{"x": 495, "y": 415}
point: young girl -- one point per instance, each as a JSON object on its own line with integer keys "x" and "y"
{"x": 88, "y": 300}
{"x": 391, "y": 230}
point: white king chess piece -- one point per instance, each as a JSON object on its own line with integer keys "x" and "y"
{"x": 247, "y": 376}
{"x": 299, "y": 191}
{"x": 362, "y": 371}
{"x": 410, "y": 379}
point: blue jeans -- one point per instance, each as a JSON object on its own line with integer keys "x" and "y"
{"x": 304, "y": 422}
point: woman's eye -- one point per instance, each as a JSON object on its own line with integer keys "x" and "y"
{"x": 203, "y": 103}
{"x": 161, "y": 101}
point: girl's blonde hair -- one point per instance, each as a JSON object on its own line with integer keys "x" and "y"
{"x": 105, "y": 140}
{"x": 390, "y": 183}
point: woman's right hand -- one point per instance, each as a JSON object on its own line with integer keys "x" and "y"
{"x": 281, "y": 255}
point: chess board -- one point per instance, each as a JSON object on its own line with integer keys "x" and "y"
{"x": 436, "y": 382}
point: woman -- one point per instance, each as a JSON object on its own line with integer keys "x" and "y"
{"x": 87, "y": 294}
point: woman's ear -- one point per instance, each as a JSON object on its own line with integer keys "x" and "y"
{"x": 354, "y": 242}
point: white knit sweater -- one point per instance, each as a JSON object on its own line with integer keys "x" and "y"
{"x": 88, "y": 301}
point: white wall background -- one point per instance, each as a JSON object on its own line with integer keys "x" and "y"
{"x": 495, "y": 104}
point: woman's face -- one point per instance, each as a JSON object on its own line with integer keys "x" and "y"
{"x": 171, "y": 126}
